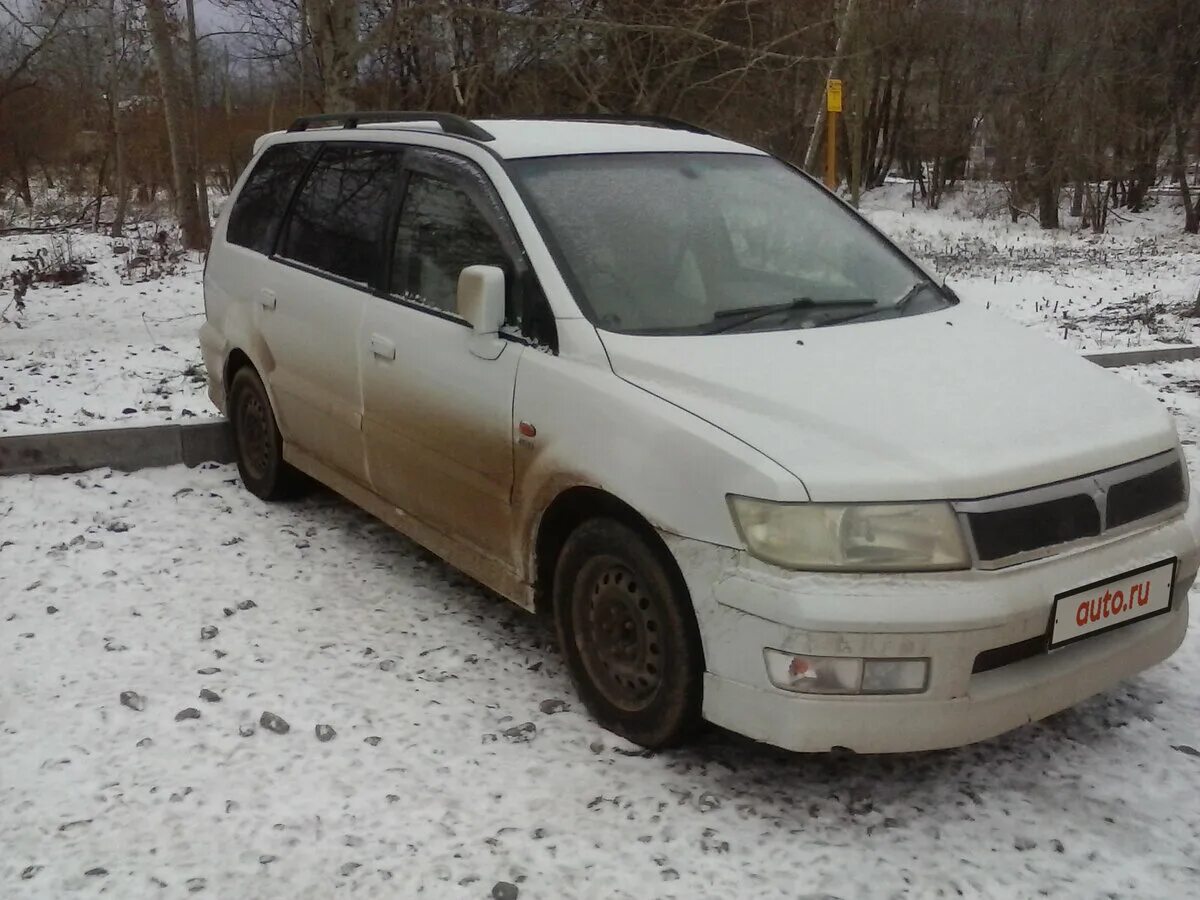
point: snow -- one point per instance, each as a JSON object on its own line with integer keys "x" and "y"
{"x": 110, "y": 351}
{"x": 356, "y": 628}
{"x": 1124, "y": 288}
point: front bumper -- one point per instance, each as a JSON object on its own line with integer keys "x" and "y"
{"x": 744, "y": 606}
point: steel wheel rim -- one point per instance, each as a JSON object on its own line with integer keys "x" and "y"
{"x": 619, "y": 633}
{"x": 254, "y": 435}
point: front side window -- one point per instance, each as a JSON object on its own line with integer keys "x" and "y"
{"x": 439, "y": 233}
{"x": 337, "y": 221}
{"x": 263, "y": 199}
{"x": 698, "y": 243}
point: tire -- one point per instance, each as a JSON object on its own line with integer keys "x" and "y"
{"x": 257, "y": 441}
{"x": 628, "y": 633}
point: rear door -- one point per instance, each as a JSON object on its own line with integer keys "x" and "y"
{"x": 437, "y": 418}
{"x": 329, "y": 257}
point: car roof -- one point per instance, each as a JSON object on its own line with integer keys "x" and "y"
{"x": 524, "y": 138}
{"x": 521, "y": 138}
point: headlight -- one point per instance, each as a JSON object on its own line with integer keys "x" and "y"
{"x": 854, "y": 537}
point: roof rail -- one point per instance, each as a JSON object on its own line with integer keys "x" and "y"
{"x": 450, "y": 123}
{"x": 623, "y": 119}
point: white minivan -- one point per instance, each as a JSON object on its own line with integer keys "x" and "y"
{"x": 755, "y": 464}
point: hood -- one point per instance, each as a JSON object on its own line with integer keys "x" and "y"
{"x": 956, "y": 404}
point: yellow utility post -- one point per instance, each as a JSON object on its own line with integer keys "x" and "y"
{"x": 833, "y": 106}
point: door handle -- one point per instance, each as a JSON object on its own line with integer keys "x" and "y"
{"x": 267, "y": 298}
{"x": 382, "y": 347}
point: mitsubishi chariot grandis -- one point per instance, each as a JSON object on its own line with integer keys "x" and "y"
{"x": 757, "y": 466}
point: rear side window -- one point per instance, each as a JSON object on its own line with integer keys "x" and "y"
{"x": 264, "y": 197}
{"x": 337, "y": 221}
{"x": 440, "y": 232}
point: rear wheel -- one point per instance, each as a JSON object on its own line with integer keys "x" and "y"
{"x": 258, "y": 442}
{"x": 628, "y": 633}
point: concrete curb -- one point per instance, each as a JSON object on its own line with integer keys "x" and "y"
{"x": 151, "y": 446}
{"x": 127, "y": 449}
{"x": 1112, "y": 359}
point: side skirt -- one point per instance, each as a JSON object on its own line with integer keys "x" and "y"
{"x": 489, "y": 572}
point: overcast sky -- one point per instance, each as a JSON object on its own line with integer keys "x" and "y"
{"x": 210, "y": 17}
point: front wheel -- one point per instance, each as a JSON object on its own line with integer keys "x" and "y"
{"x": 628, "y": 633}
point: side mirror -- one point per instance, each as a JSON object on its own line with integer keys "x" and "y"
{"x": 481, "y": 303}
{"x": 481, "y": 298}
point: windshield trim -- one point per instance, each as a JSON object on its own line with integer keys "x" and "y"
{"x": 513, "y": 168}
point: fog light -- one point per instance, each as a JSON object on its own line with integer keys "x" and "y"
{"x": 895, "y": 676}
{"x": 806, "y": 674}
{"x": 814, "y": 674}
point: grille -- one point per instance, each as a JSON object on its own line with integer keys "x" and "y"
{"x": 1007, "y": 532}
{"x": 1144, "y": 496}
{"x": 1004, "y": 529}
{"x": 998, "y": 657}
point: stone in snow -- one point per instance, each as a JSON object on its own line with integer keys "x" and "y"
{"x": 272, "y": 722}
{"x": 373, "y": 740}
{"x": 97, "y": 871}
{"x": 146, "y": 742}
{"x": 550, "y": 707}
{"x": 228, "y": 611}
{"x": 387, "y": 664}
{"x": 267, "y": 858}
{"x": 1186, "y": 749}
{"x": 208, "y": 632}
{"x": 246, "y": 729}
{"x": 522, "y": 733}
{"x": 246, "y": 604}
{"x": 189, "y": 713}
{"x": 51, "y": 610}
{"x": 209, "y": 696}
{"x": 195, "y": 884}
{"x": 133, "y": 700}
{"x": 325, "y": 733}
{"x": 208, "y": 670}
{"x": 504, "y": 890}
{"x": 29, "y": 871}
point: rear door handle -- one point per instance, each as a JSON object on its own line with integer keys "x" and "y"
{"x": 382, "y": 347}
{"x": 267, "y": 298}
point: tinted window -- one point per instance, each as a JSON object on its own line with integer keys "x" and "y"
{"x": 264, "y": 197}
{"x": 440, "y": 232}
{"x": 337, "y": 221}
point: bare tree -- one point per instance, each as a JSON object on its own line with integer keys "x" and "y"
{"x": 26, "y": 29}
{"x": 194, "y": 97}
{"x": 183, "y": 161}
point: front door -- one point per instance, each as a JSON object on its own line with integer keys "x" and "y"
{"x": 438, "y": 419}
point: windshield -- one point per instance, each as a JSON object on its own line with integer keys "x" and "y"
{"x": 700, "y": 243}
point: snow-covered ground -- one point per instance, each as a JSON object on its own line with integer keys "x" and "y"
{"x": 461, "y": 764}
{"x": 461, "y": 758}
{"x": 1124, "y": 288}
{"x": 112, "y": 350}
{"x": 109, "y": 352}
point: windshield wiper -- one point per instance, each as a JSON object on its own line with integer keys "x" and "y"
{"x": 744, "y": 315}
{"x": 897, "y": 308}
{"x": 909, "y": 295}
